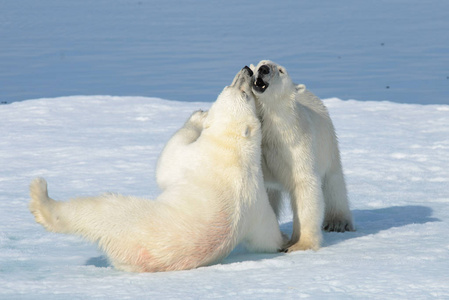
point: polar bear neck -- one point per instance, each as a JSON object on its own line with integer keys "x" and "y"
{"x": 230, "y": 149}
{"x": 279, "y": 105}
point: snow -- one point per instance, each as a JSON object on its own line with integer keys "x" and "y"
{"x": 395, "y": 158}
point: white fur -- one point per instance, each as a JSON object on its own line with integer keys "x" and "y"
{"x": 176, "y": 158}
{"x": 216, "y": 200}
{"x": 300, "y": 156}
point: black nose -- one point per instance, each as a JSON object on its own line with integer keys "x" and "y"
{"x": 249, "y": 70}
{"x": 264, "y": 70}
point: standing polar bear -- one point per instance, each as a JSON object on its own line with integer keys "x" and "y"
{"x": 218, "y": 200}
{"x": 300, "y": 156}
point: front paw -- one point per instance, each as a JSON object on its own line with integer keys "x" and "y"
{"x": 338, "y": 225}
{"x": 286, "y": 242}
{"x": 306, "y": 242}
{"x": 197, "y": 119}
{"x": 302, "y": 246}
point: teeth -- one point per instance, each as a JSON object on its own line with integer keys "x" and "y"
{"x": 263, "y": 87}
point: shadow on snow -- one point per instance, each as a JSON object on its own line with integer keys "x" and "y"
{"x": 373, "y": 221}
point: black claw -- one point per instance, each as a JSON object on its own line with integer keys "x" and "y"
{"x": 349, "y": 228}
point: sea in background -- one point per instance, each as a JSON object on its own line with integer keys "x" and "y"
{"x": 189, "y": 50}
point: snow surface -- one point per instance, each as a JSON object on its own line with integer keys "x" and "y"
{"x": 395, "y": 157}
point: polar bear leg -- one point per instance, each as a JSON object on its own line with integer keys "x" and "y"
{"x": 186, "y": 135}
{"x": 172, "y": 158}
{"x": 192, "y": 128}
{"x": 108, "y": 220}
{"x": 42, "y": 206}
{"x": 266, "y": 235}
{"x": 93, "y": 218}
{"x": 275, "y": 198}
{"x": 308, "y": 213}
{"x": 58, "y": 216}
{"x": 338, "y": 216}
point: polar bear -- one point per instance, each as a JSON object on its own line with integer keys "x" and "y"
{"x": 300, "y": 156}
{"x": 219, "y": 201}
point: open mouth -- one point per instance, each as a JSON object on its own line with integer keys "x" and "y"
{"x": 260, "y": 85}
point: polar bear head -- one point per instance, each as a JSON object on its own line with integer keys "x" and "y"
{"x": 272, "y": 81}
{"x": 234, "y": 111}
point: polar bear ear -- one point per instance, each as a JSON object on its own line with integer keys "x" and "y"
{"x": 252, "y": 67}
{"x": 246, "y": 96}
{"x": 300, "y": 88}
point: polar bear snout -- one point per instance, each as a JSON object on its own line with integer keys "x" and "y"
{"x": 264, "y": 70}
{"x": 250, "y": 72}
{"x": 243, "y": 77}
{"x": 260, "y": 82}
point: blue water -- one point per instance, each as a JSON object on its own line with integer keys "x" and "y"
{"x": 189, "y": 50}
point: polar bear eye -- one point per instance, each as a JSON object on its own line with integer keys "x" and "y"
{"x": 281, "y": 70}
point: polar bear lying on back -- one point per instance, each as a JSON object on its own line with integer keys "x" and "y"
{"x": 300, "y": 156}
{"x": 219, "y": 201}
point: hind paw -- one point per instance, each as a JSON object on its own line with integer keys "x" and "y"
{"x": 40, "y": 204}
